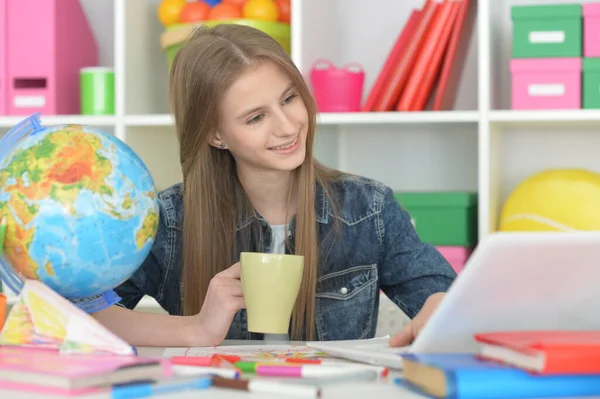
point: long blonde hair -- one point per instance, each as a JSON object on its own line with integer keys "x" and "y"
{"x": 201, "y": 72}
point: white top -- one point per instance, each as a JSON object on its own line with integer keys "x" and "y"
{"x": 278, "y": 237}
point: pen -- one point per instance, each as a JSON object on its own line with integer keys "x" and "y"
{"x": 263, "y": 387}
{"x": 250, "y": 367}
{"x": 383, "y": 371}
{"x": 303, "y": 371}
{"x": 150, "y": 389}
{"x": 357, "y": 375}
{"x": 192, "y": 360}
{"x": 190, "y": 371}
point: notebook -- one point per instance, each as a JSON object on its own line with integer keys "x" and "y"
{"x": 47, "y": 370}
{"x": 544, "y": 352}
{"x": 464, "y": 376}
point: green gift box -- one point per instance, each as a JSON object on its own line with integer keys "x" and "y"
{"x": 591, "y": 83}
{"x": 547, "y": 31}
{"x": 442, "y": 218}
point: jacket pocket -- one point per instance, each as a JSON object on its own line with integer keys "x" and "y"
{"x": 346, "y": 303}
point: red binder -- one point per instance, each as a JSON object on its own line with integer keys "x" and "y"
{"x": 402, "y": 68}
{"x": 399, "y": 47}
{"x": 421, "y": 82}
{"x": 454, "y": 59}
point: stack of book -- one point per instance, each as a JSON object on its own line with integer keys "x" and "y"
{"x": 424, "y": 66}
{"x": 519, "y": 364}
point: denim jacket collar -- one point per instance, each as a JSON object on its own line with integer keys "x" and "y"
{"x": 322, "y": 208}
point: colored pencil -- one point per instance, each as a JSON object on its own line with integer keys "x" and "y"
{"x": 271, "y": 387}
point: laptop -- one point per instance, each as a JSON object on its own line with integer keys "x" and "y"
{"x": 512, "y": 281}
{"x": 519, "y": 281}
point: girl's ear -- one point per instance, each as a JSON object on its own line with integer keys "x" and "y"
{"x": 217, "y": 141}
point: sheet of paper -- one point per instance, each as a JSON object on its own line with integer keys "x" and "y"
{"x": 260, "y": 352}
{"x": 374, "y": 351}
{"x": 283, "y": 351}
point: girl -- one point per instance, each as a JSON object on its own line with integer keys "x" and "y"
{"x": 246, "y": 122}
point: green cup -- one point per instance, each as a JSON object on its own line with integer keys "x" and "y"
{"x": 97, "y": 91}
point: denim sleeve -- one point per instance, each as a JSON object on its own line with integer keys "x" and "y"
{"x": 96, "y": 303}
{"x": 410, "y": 270}
{"x": 146, "y": 280}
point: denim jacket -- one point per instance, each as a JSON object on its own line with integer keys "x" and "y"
{"x": 378, "y": 249}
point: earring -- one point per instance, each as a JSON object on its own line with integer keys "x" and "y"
{"x": 222, "y": 146}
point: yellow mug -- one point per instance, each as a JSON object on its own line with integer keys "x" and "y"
{"x": 270, "y": 283}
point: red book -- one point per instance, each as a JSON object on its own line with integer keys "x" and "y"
{"x": 401, "y": 69}
{"x": 399, "y": 47}
{"x": 544, "y": 352}
{"x": 426, "y": 68}
{"x": 454, "y": 60}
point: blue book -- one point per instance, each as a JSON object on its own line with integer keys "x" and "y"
{"x": 464, "y": 376}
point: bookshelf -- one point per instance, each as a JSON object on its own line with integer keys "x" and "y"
{"x": 480, "y": 146}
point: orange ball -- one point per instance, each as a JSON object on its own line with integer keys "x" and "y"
{"x": 194, "y": 11}
{"x": 225, "y": 11}
{"x": 264, "y": 10}
{"x": 284, "y": 9}
{"x": 239, "y": 3}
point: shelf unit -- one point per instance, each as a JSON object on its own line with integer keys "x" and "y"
{"x": 479, "y": 146}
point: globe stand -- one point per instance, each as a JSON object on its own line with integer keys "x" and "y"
{"x": 27, "y": 127}
{"x": 82, "y": 216}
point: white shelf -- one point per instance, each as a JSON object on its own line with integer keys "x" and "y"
{"x": 108, "y": 121}
{"x": 346, "y": 118}
{"x": 471, "y": 148}
{"x": 149, "y": 120}
{"x": 541, "y": 118}
{"x": 398, "y": 118}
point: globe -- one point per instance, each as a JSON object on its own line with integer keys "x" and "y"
{"x": 79, "y": 206}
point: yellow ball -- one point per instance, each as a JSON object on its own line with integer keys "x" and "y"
{"x": 554, "y": 200}
{"x": 168, "y": 11}
{"x": 265, "y": 10}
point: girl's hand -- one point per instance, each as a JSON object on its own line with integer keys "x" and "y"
{"x": 410, "y": 331}
{"x": 223, "y": 299}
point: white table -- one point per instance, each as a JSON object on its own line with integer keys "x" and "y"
{"x": 350, "y": 390}
{"x": 347, "y": 390}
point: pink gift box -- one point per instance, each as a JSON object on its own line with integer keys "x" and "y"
{"x": 3, "y": 56}
{"x": 456, "y": 256}
{"x": 546, "y": 83}
{"x": 591, "y": 30}
{"x": 43, "y": 45}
